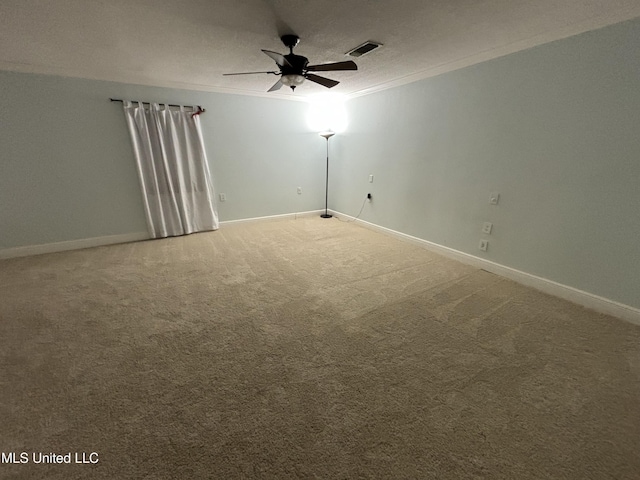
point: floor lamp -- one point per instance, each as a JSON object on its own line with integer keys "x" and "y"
{"x": 327, "y": 135}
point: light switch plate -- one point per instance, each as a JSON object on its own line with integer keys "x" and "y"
{"x": 494, "y": 198}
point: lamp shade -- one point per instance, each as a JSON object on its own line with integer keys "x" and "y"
{"x": 328, "y": 134}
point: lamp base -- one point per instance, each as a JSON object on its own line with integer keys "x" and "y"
{"x": 324, "y": 215}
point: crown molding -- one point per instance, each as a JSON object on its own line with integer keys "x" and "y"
{"x": 59, "y": 72}
{"x": 594, "y": 23}
{"x": 630, "y": 13}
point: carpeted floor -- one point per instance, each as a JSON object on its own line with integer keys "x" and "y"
{"x": 306, "y": 348}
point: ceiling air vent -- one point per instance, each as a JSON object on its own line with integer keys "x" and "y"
{"x": 363, "y": 49}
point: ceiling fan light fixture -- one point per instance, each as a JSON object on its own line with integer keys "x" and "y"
{"x": 292, "y": 80}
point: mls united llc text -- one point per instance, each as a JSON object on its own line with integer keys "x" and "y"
{"x": 39, "y": 457}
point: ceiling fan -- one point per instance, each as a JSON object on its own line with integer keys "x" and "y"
{"x": 294, "y": 69}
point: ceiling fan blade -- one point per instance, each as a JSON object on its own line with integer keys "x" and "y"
{"x": 327, "y": 82}
{"x": 278, "y": 57}
{"x": 276, "y": 86}
{"x": 328, "y": 67}
{"x": 247, "y": 73}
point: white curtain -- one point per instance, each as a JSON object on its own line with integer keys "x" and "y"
{"x": 173, "y": 169}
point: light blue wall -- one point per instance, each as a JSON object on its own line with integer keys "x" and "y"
{"x": 554, "y": 129}
{"x": 67, "y": 169}
{"x": 263, "y": 151}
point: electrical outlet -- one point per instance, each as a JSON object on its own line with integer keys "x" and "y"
{"x": 483, "y": 245}
{"x": 223, "y": 197}
{"x": 486, "y": 227}
{"x": 494, "y": 198}
{"x": 299, "y": 190}
{"x": 370, "y": 178}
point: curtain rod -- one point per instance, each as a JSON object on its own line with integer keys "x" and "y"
{"x": 198, "y": 108}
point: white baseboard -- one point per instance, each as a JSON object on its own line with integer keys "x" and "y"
{"x": 72, "y": 245}
{"x": 274, "y": 217}
{"x": 586, "y": 299}
{"x": 125, "y": 238}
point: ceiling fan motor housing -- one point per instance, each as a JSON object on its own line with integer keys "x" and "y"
{"x": 297, "y": 63}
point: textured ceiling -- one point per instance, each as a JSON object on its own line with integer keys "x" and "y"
{"x": 191, "y": 43}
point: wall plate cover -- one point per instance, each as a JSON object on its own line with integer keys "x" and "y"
{"x": 483, "y": 245}
{"x": 494, "y": 198}
{"x": 486, "y": 227}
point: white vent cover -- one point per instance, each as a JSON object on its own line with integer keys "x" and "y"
{"x": 363, "y": 49}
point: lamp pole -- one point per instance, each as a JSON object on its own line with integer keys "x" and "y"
{"x": 327, "y": 135}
